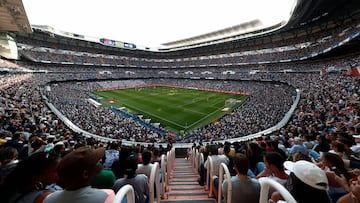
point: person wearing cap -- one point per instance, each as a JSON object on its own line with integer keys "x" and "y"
{"x": 76, "y": 170}
{"x": 298, "y": 147}
{"x": 59, "y": 148}
{"x": 307, "y": 183}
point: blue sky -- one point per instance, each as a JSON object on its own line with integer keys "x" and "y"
{"x": 152, "y": 22}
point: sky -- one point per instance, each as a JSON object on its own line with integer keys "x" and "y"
{"x": 152, "y": 22}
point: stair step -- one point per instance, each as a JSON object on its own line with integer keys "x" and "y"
{"x": 183, "y": 185}
{"x": 183, "y": 180}
{"x": 187, "y": 194}
{"x": 190, "y": 201}
{"x": 187, "y": 188}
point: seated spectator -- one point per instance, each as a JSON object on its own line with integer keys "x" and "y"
{"x": 298, "y": 147}
{"x": 274, "y": 168}
{"x": 156, "y": 156}
{"x": 338, "y": 148}
{"x": 227, "y": 150}
{"x": 348, "y": 142}
{"x": 8, "y": 161}
{"x": 334, "y": 166}
{"x": 146, "y": 166}
{"x": 244, "y": 189}
{"x": 323, "y": 144}
{"x": 111, "y": 155}
{"x": 255, "y": 155}
{"x": 118, "y": 166}
{"x": 353, "y": 190}
{"x": 105, "y": 179}
{"x": 139, "y": 182}
{"x": 16, "y": 142}
{"x": 59, "y": 148}
{"x": 32, "y": 179}
{"x": 217, "y": 160}
{"x": 307, "y": 183}
{"x": 356, "y": 148}
{"x": 76, "y": 170}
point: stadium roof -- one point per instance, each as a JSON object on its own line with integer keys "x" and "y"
{"x": 307, "y": 11}
{"x": 304, "y": 12}
{"x": 13, "y": 17}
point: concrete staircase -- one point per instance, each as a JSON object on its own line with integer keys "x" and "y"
{"x": 183, "y": 185}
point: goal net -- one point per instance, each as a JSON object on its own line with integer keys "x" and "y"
{"x": 230, "y": 103}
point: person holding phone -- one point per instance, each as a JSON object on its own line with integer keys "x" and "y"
{"x": 334, "y": 167}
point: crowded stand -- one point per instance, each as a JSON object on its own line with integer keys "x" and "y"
{"x": 292, "y": 49}
{"x": 299, "y": 128}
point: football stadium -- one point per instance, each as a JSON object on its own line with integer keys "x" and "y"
{"x": 249, "y": 113}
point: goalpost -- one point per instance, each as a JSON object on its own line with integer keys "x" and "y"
{"x": 230, "y": 103}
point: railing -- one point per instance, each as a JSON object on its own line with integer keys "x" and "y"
{"x": 195, "y": 158}
{"x": 223, "y": 168}
{"x": 265, "y": 186}
{"x": 164, "y": 174}
{"x": 170, "y": 163}
{"x": 127, "y": 190}
{"x": 209, "y": 172}
{"x": 154, "y": 179}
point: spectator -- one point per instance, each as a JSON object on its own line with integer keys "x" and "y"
{"x": 16, "y": 142}
{"x": 244, "y": 189}
{"x": 231, "y": 161}
{"x": 323, "y": 145}
{"x": 274, "y": 168}
{"x": 338, "y": 148}
{"x": 356, "y": 148}
{"x": 59, "y": 148}
{"x": 307, "y": 183}
{"x": 255, "y": 154}
{"x": 105, "y": 179}
{"x": 298, "y": 147}
{"x": 32, "y": 179}
{"x": 139, "y": 182}
{"x": 216, "y": 161}
{"x": 146, "y": 166}
{"x": 111, "y": 155}
{"x": 333, "y": 165}
{"x": 156, "y": 156}
{"x": 76, "y": 170}
{"x": 353, "y": 190}
{"x": 8, "y": 161}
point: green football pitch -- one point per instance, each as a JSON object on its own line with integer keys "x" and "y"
{"x": 177, "y": 109}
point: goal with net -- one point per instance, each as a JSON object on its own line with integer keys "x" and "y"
{"x": 230, "y": 103}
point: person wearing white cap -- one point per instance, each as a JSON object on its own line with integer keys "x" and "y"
{"x": 307, "y": 183}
